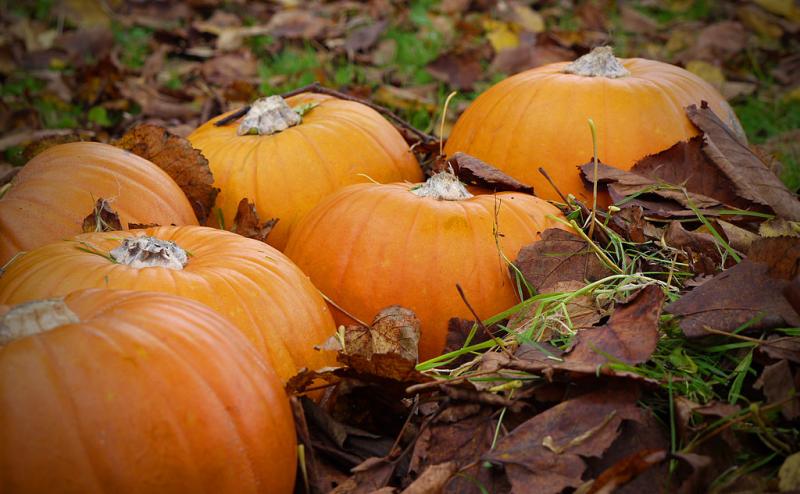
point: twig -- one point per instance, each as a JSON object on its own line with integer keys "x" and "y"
{"x": 705, "y": 437}
{"x": 417, "y": 388}
{"x": 343, "y": 311}
{"x": 232, "y": 117}
{"x": 479, "y": 322}
{"x": 316, "y": 87}
{"x": 480, "y": 397}
{"x": 553, "y": 184}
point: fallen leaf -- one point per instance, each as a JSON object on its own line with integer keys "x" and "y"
{"x": 622, "y": 184}
{"x": 473, "y": 171}
{"x": 403, "y": 98}
{"x": 369, "y": 477}
{"x": 559, "y": 256}
{"x": 365, "y": 37}
{"x": 247, "y": 223}
{"x": 527, "y": 18}
{"x": 782, "y": 348}
{"x": 784, "y": 8}
{"x": 648, "y": 434}
{"x": 529, "y": 54}
{"x": 226, "y": 69}
{"x": 750, "y": 292}
{"x": 630, "y": 335}
{"x": 298, "y": 24}
{"x": 433, "y": 479}
{"x": 685, "y": 410}
{"x": 626, "y": 470}
{"x": 388, "y": 348}
{"x": 102, "y": 219}
{"x": 750, "y": 176}
{"x": 154, "y": 103}
{"x": 710, "y": 73}
{"x": 777, "y": 384}
{"x": 789, "y": 474}
{"x": 460, "y": 434}
{"x": 543, "y": 455}
{"x": 176, "y": 156}
{"x": 500, "y": 35}
{"x": 459, "y": 70}
{"x": 703, "y": 254}
{"x": 718, "y": 42}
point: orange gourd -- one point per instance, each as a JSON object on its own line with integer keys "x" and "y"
{"x": 259, "y": 289}
{"x": 56, "y": 190}
{"x": 369, "y": 246}
{"x": 121, "y": 391}
{"x": 538, "y": 118}
{"x": 286, "y": 173}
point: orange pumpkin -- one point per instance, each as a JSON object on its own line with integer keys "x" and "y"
{"x": 271, "y": 301}
{"x": 57, "y": 189}
{"x": 121, "y": 391}
{"x": 369, "y": 246}
{"x": 538, "y": 118}
{"x": 286, "y": 173}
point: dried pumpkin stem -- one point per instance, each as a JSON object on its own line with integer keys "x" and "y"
{"x": 33, "y": 318}
{"x": 600, "y": 62}
{"x": 443, "y": 186}
{"x": 268, "y": 116}
{"x": 148, "y": 252}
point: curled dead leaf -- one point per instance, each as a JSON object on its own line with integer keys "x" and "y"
{"x": 103, "y": 218}
{"x": 176, "y": 156}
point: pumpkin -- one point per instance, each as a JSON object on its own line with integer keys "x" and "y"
{"x": 57, "y": 189}
{"x": 121, "y": 391}
{"x": 369, "y": 246}
{"x": 285, "y": 163}
{"x": 538, "y": 118}
{"x": 259, "y": 289}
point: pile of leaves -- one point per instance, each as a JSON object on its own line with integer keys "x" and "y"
{"x": 95, "y": 68}
{"x": 657, "y": 346}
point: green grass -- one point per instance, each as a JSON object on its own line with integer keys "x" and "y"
{"x": 135, "y": 42}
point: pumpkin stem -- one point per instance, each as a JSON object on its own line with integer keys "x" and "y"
{"x": 268, "y": 116}
{"x": 443, "y": 186}
{"x": 147, "y": 252}
{"x": 600, "y": 62}
{"x": 33, "y": 318}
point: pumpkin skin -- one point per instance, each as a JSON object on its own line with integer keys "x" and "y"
{"x": 538, "y": 118}
{"x": 148, "y": 393}
{"x": 259, "y": 289}
{"x": 384, "y": 245}
{"x": 286, "y": 174}
{"x": 57, "y": 189}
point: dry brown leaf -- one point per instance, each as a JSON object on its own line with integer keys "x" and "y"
{"x": 782, "y": 348}
{"x": 777, "y": 384}
{"x": 102, "y": 219}
{"x": 459, "y": 70}
{"x": 176, "y": 156}
{"x": 247, "y": 223}
{"x": 433, "y": 479}
{"x": 461, "y": 434}
{"x": 703, "y": 254}
{"x": 387, "y": 349}
{"x": 365, "y": 37}
{"x": 630, "y": 335}
{"x": 750, "y": 292}
{"x": 543, "y": 455}
{"x": 559, "y": 256}
{"x": 752, "y": 179}
{"x": 473, "y": 171}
